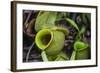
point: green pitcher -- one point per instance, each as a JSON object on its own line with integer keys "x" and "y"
{"x": 52, "y": 41}
{"x": 82, "y": 50}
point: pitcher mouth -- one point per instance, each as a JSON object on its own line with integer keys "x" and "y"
{"x": 44, "y": 38}
{"x": 79, "y": 46}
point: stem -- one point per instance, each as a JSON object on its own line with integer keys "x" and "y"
{"x": 27, "y": 19}
{"x": 73, "y": 55}
{"x": 27, "y": 56}
{"x": 44, "y": 56}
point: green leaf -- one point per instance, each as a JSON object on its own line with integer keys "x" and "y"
{"x": 52, "y": 58}
{"x": 82, "y": 30}
{"x": 59, "y": 59}
{"x": 88, "y": 15}
{"x": 59, "y": 16}
{"x": 63, "y": 55}
{"x": 62, "y": 29}
{"x": 45, "y": 20}
{"x": 78, "y": 36}
{"x": 72, "y": 23}
{"x": 62, "y": 15}
{"x": 84, "y": 19}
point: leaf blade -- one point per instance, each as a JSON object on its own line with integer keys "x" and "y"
{"x": 45, "y": 20}
{"x": 72, "y": 23}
